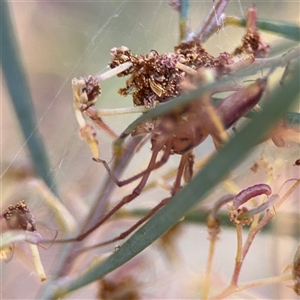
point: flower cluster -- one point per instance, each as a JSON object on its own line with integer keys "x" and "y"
{"x": 19, "y": 217}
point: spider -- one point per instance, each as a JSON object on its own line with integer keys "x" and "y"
{"x": 156, "y": 78}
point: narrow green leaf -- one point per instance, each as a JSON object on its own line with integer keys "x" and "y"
{"x": 287, "y": 30}
{"x": 200, "y": 216}
{"x": 15, "y": 77}
{"x": 184, "y": 16}
{"x": 211, "y": 174}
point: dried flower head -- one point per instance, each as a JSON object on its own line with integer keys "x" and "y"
{"x": 19, "y": 217}
{"x": 92, "y": 90}
{"x": 235, "y": 216}
{"x": 194, "y": 54}
{"x": 157, "y": 77}
{"x": 121, "y": 55}
{"x": 86, "y": 92}
{"x": 252, "y": 43}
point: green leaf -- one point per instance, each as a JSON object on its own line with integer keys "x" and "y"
{"x": 16, "y": 80}
{"x": 196, "y": 191}
{"x": 199, "y": 217}
{"x": 183, "y": 19}
{"x": 287, "y": 30}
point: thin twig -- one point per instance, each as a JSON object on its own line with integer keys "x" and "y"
{"x": 239, "y": 257}
{"x": 211, "y": 23}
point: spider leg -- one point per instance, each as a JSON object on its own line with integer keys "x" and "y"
{"x": 91, "y": 113}
{"x": 184, "y": 159}
{"x": 136, "y": 192}
{"x": 124, "y": 234}
{"x": 180, "y": 172}
{"x": 121, "y": 183}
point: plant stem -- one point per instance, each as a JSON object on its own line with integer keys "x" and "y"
{"x": 239, "y": 256}
{"x": 211, "y": 23}
{"x": 184, "y": 16}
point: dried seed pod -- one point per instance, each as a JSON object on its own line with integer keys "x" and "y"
{"x": 251, "y": 192}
